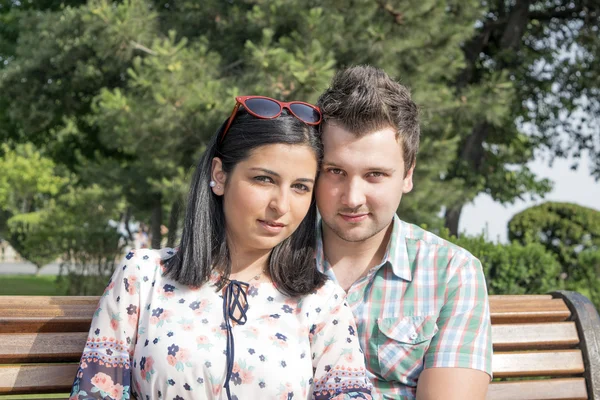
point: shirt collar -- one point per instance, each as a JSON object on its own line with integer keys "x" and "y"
{"x": 396, "y": 254}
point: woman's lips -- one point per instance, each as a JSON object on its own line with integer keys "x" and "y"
{"x": 271, "y": 226}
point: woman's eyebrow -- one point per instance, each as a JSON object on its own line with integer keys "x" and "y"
{"x": 266, "y": 171}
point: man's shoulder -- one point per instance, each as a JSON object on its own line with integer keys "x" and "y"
{"x": 415, "y": 235}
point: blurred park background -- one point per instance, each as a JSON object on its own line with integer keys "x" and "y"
{"x": 105, "y": 106}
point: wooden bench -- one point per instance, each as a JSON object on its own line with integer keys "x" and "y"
{"x": 545, "y": 346}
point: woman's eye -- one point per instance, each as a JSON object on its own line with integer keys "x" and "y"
{"x": 264, "y": 179}
{"x": 301, "y": 187}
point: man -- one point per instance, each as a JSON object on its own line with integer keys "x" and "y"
{"x": 420, "y": 302}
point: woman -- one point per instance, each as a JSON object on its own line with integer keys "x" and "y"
{"x": 239, "y": 311}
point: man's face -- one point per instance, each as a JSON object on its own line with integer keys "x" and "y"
{"x": 361, "y": 183}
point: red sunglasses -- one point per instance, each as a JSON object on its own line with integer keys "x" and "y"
{"x": 268, "y": 108}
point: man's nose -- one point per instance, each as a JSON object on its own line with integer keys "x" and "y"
{"x": 354, "y": 195}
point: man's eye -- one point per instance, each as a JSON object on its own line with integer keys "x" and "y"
{"x": 335, "y": 171}
{"x": 375, "y": 174}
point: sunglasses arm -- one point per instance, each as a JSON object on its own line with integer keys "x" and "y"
{"x": 230, "y": 121}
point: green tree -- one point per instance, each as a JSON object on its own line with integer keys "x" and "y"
{"x": 78, "y": 225}
{"x": 569, "y": 231}
{"x": 589, "y": 260}
{"x": 28, "y": 183}
{"x": 565, "y": 229}
{"x": 290, "y": 49}
{"x": 543, "y": 57}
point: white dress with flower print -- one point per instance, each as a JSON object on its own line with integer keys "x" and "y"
{"x": 152, "y": 338}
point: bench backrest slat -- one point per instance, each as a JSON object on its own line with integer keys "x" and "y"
{"x": 554, "y": 335}
{"x": 43, "y": 378}
{"x": 528, "y": 310}
{"x": 553, "y": 389}
{"x": 41, "y": 347}
{"x": 538, "y": 363}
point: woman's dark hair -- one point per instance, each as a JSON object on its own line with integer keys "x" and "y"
{"x": 203, "y": 243}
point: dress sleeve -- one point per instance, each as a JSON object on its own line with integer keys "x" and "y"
{"x": 105, "y": 367}
{"x": 338, "y": 361}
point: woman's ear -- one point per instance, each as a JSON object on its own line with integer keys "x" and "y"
{"x": 218, "y": 176}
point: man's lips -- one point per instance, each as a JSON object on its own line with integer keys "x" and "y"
{"x": 354, "y": 217}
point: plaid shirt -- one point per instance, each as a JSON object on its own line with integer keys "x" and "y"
{"x": 424, "y": 306}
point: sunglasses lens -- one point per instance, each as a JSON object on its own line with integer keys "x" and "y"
{"x": 263, "y": 107}
{"x": 305, "y": 113}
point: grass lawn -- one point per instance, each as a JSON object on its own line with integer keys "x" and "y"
{"x": 28, "y": 285}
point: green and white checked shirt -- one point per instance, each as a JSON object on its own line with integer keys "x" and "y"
{"x": 424, "y": 306}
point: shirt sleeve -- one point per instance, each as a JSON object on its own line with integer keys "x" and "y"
{"x": 105, "y": 367}
{"x": 338, "y": 361}
{"x": 464, "y": 339}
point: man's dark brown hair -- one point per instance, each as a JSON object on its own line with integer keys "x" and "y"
{"x": 363, "y": 99}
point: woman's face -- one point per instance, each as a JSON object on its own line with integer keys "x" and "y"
{"x": 266, "y": 196}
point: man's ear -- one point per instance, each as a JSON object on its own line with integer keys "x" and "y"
{"x": 407, "y": 183}
{"x": 218, "y": 176}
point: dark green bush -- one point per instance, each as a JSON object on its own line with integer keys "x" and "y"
{"x": 514, "y": 268}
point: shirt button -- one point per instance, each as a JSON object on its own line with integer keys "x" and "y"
{"x": 413, "y": 335}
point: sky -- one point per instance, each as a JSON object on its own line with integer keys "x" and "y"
{"x": 485, "y": 215}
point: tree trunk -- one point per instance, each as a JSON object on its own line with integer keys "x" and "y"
{"x": 173, "y": 223}
{"x": 473, "y": 152}
{"x": 452, "y": 217}
{"x": 156, "y": 221}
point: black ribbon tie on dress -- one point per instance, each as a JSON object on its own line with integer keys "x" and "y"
{"x": 235, "y": 300}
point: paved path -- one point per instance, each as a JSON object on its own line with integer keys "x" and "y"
{"x": 26, "y": 268}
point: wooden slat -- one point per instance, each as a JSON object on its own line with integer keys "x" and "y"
{"x": 537, "y": 363}
{"x": 528, "y": 311}
{"x": 555, "y": 335}
{"x": 50, "y": 310}
{"x": 48, "y": 378}
{"x": 23, "y": 301}
{"x": 519, "y": 297}
{"x": 552, "y": 389}
{"x": 31, "y": 318}
{"x": 33, "y": 324}
{"x": 41, "y": 347}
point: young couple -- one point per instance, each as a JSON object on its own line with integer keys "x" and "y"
{"x": 241, "y": 311}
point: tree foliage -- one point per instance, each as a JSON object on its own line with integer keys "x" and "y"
{"x": 514, "y": 268}
{"x": 534, "y": 67}
{"x": 572, "y": 234}
{"x": 28, "y": 183}
{"x": 565, "y": 229}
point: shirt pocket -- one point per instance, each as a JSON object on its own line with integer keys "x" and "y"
{"x": 401, "y": 346}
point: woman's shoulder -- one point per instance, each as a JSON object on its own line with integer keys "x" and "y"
{"x": 330, "y": 293}
{"x": 330, "y": 289}
{"x": 144, "y": 259}
{"x": 150, "y": 255}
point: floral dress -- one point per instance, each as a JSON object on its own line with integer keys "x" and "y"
{"x": 152, "y": 338}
